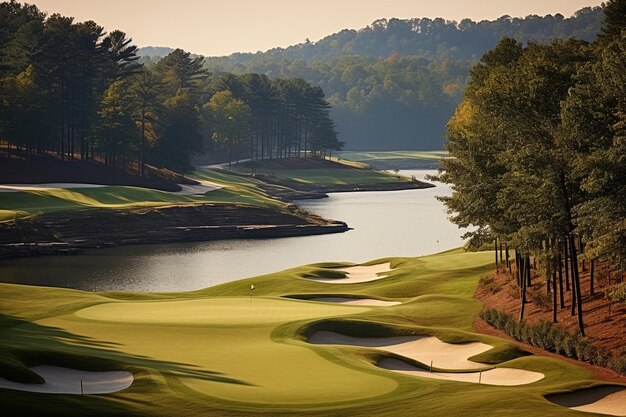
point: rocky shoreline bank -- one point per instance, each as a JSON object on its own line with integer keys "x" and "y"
{"x": 71, "y": 233}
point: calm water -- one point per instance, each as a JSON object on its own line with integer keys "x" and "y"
{"x": 392, "y": 223}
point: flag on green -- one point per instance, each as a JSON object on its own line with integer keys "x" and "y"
{"x": 251, "y": 287}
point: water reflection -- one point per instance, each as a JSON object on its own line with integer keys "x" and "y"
{"x": 397, "y": 223}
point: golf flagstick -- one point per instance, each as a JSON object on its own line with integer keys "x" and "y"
{"x": 251, "y": 289}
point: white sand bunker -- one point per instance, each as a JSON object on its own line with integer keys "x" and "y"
{"x": 423, "y": 349}
{"x": 356, "y": 301}
{"x": 68, "y": 381}
{"x": 356, "y": 274}
{"x": 496, "y": 376}
{"x": 198, "y": 189}
{"x": 609, "y": 400}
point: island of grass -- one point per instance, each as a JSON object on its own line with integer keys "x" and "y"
{"x": 230, "y": 350}
{"x": 325, "y": 175}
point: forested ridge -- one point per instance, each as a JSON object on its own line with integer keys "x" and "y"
{"x": 539, "y": 164}
{"x": 76, "y": 92}
{"x": 395, "y": 83}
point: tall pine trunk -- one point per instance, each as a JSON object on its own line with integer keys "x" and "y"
{"x": 576, "y": 287}
{"x": 560, "y": 270}
{"x": 523, "y": 289}
{"x": 566, "y": 264}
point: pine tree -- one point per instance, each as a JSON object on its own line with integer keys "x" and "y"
{"x": 614, "y": 20}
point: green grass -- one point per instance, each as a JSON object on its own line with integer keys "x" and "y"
{"x": 344, "y": 176}
{"x": 218, "y": 351}
{"x": 236, "y": 190}
{"x": 352, "y": 173}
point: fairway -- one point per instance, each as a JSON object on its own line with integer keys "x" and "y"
{"x": 235, "y": 189}
{"x": 225, "y": 351}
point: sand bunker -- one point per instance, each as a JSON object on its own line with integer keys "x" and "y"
{"x": 355, "y": 274}
{"x": 609, "y": 400}
{"x": 497, "y": 376}
{"x": 68, "y": 381}
{"x": 12, "y": 188}
{"x": 356, "y": 301}
{"x": 423, "y": 349}
{"x": 198, "y": 189}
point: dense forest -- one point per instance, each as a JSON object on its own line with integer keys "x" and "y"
{"x": 539, "y": 147}
{"x": 395, "y": 83}
{"x": 74, "y": 91}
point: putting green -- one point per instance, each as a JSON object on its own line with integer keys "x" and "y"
{"x": 225, "y": 311}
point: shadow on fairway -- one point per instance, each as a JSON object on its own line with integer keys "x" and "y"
{"x": 26, "y": 344}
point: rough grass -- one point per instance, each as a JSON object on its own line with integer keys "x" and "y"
{"x": 219, "y": 351}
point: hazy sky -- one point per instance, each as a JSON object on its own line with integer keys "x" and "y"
{"x": 221, "y": 27}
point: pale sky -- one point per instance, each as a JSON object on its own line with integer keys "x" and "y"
{"x": 211, "y": 27}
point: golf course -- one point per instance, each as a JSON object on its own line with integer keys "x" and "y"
{"x": 391, "y": 337}
{"x": 316, "y": 209}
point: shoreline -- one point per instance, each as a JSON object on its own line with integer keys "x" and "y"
{"x": 59, "y": 234}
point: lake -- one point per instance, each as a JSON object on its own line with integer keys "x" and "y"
{"x": 390, "y": 223}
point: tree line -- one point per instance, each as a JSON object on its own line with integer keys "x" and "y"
{"x": 538, "y": 146}
{"x": 395, "y": 83}
{"x": 72, "y": 90}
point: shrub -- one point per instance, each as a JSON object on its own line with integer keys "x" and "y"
{"x": 618, "y": 294}
{"x": 489, "y": 284}
{"x": 555, "y": 339}
{"x": 542, "y": 299}
{"x": 619, "y": 364}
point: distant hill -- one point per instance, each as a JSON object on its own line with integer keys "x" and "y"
{"x": 438, "y": 38}
{"x": 154, "y": 51}
{"x": 395, "y": 83}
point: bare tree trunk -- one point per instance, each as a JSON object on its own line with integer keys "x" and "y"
{"x": 518, "y": 267}
{"x": 506, "y": 253}
{"x": 576, "y": 284}
{"x": 554, "y": 305}
{"x": 523, "y": 290}
{"x": 547, "y": 247}
{"x": 559, "y": 260}
{"x": 581, "y": 248}
{"x": 592, "y": 291}
{"x": 495, "y": 246}
{"x": 528, "y": 272}
{"x": 566, "y": 264}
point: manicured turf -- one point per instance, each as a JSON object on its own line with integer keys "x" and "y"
{"x": 330, "y": 176}
{"x": 236, "y": 190}
{"x": 345, "y": 176}
{"x": 219, "y": 351}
